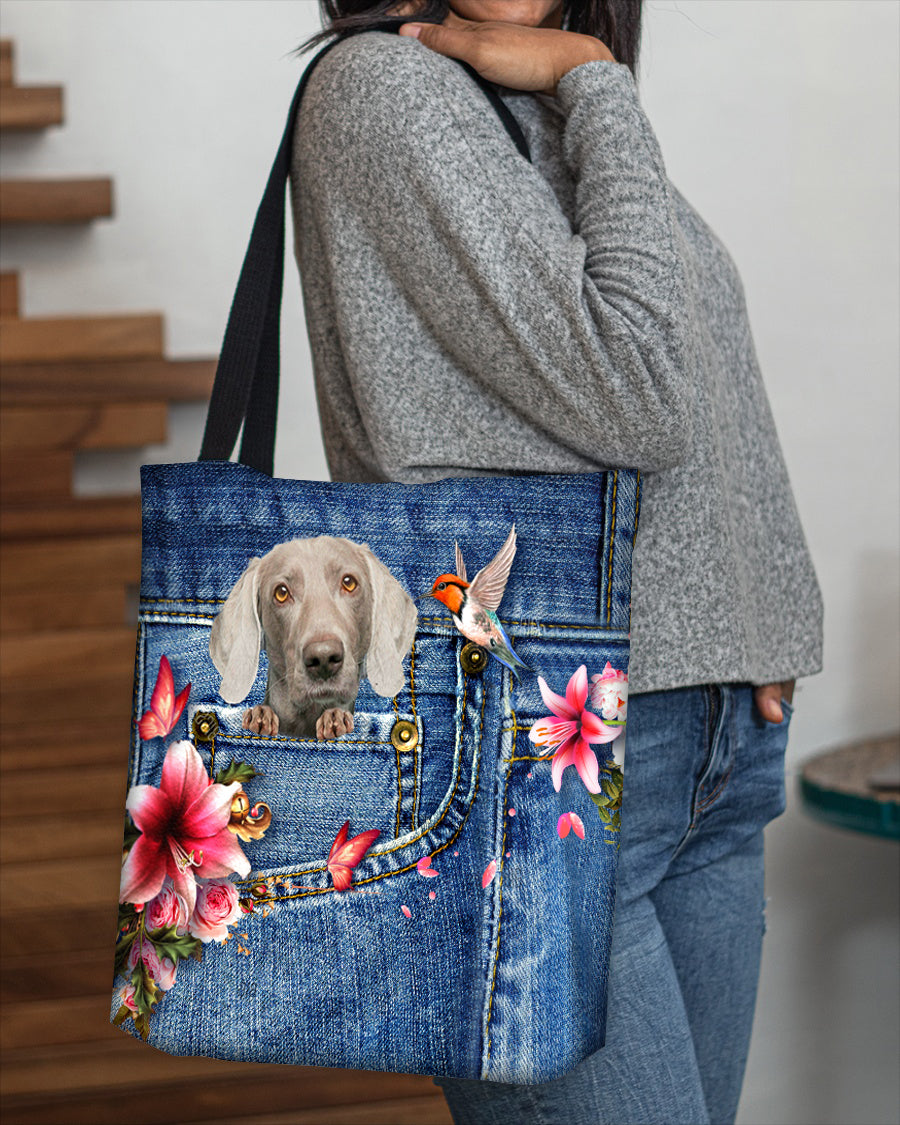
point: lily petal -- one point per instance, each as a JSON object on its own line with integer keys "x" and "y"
{"x": 577, "y": 690}
{"x": 144, "y": 870}
{"x": 184, "y": 775}
{"x": 593, "y": 728}
{"x": 151, "y": 810}
{"x": 561, "y": 759}
{"x": 552, "y": 730}
{"x": 587, "y": 766}
{"x": 222, "y": 854}
{"x": 559, "y": 705}
{"x": 210, "y": 811}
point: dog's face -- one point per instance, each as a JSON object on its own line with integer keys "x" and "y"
{"x": 315, "y": 605}
{"x": 327, "y": 611}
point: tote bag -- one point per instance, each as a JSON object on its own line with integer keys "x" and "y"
{"x": 374, "y": 780}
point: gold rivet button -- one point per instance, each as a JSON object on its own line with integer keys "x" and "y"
{"x": 473, "y": 657}
{"x": 405, "y": 735}
{"x": 205, "y": 726}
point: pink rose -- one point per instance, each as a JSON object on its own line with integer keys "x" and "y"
{"x": 162, "y": 969}
{"x": 168, "y": 908}
{"x": 609, "y": 693}
{"x": 126, "y": 997}
{"x": 216, "y": 908}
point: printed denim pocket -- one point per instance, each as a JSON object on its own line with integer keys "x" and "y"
{"x": 312, "y": 787}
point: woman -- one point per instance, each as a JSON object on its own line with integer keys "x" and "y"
{"x": 472, "y": 313}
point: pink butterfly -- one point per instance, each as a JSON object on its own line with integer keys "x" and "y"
{"x": 165, "y": 706}
{"x": 345, "y": 855}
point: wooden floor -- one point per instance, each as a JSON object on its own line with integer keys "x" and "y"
{"x": 69, "y": 569}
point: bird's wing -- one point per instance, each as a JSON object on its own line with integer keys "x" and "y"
{"x": 460, "y": 565}
{"x": 489, "y": 583}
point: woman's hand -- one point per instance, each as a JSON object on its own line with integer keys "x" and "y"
{"x": 768, "y": 699}
{"x": 510, "y": 54}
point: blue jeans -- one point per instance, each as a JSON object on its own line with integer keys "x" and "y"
{"x": 704, "y": 773}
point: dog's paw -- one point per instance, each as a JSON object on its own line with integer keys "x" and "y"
{"x": 261, "y": 720}
{"x": 332, "y": 723}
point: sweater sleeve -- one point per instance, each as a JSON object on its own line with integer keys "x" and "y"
{"x": 580, "y": 330}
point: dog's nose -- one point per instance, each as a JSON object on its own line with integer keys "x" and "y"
{"x": 323, "y": 657}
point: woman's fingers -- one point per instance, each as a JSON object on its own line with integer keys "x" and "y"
{"x": 514, "y": 55}
{"x": 768, "y": 699}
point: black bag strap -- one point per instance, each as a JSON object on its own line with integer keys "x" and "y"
{"x": 246, "y": 384}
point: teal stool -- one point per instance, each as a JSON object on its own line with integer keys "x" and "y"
{"x": 856, "y": 786}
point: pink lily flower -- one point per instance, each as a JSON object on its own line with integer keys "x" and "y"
{"x": 571, "y": 728}
{"x": 184, "y": 830}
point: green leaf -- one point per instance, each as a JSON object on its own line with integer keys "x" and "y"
{"x": 599, "y": 799}
{"x": 609, "y": 788}
{"x": 146, "y": 990}
{"x": 604, "y": 815}
{"x": 171, "y": 944}
{"x": 142, "y": 1023}
{"x": 122, "y": 1015}
{"x": 237, "y": 771}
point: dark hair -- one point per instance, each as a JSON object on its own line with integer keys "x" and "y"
{"x": 616, "y": 22}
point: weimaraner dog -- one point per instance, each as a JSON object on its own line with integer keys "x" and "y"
{"x": 327, "y": 611}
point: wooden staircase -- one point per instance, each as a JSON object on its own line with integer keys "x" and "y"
{"x": 69, "y": 573}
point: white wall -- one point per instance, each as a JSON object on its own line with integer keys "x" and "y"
{"x": 778, "y": 119}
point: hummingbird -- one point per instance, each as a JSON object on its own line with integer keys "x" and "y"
{"x": 473, "y": 605}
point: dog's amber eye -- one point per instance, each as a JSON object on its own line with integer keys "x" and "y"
{"x": 349, "y": 582}
{"x": 281, "y": 593}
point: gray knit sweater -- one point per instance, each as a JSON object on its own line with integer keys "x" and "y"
{"x": 470, "y": 313}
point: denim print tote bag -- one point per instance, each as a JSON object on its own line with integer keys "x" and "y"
{"x": 351, "y": 835}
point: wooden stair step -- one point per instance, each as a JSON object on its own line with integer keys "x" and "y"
{"x": 35, "y": 564}
{"x": 65, "y": 882}
{"x": 81, "y": 338}
{"x": 169, "y": 380}
{"x": 114, "y": 425}
{"x": 34, "y": 601}
{"x": 34, "y": 611}
{"x": 207, "y": 1105}
{"x": 55, "y": 1019}
{"x": 62, "y": 698}
{"x": 87, "y": 743}
{"x": 70, "y": 200}
{"x": 86, "y": 928}
{"x": 119, "y": 1061}
{"x": 6, "y": 62}
{"x": 75, "y": 656}
{"x": 75, "y": 516}
{"x": 66, "y": 674}
{"x": 35, "y": 477}
{"x": 38, "y": 977}
{"x": 30, "y": 107}
{"x": 9, "y": 294}
{"x": 38, "y": 838}
{"x": 92, "y": 789}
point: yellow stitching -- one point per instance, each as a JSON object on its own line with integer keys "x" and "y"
{"x": 612, "y": 546}
{"x": 314, "y": 741}
{"x": 399, "y": 772}
{"x": 449, "y": 626}
{"x": 175, "y": 601}
{"x": 500, "y": 906}
{"x": 388, "y": 874}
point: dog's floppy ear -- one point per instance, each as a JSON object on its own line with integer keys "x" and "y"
{"x": 236, "y": 637}
{"x": 394, "y": 618}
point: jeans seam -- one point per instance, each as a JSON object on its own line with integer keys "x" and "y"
{"x": 712, "y": 720}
